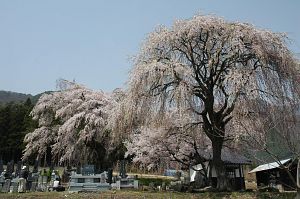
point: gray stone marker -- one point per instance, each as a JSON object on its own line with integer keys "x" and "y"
{"x": 36, "y": 166}
{"x": 29, "y": 181}
{"x": 65, "y": 177}
{"x": 9, "y": 170}
{"x": 44, "y": 183}
{"x": 22, "y": 185}
{"x": 123, "y": 169}
{"x": 103, "y": 178}
{"x": 88, "y": 170}
{"x": 78, "y": 170}
{"x": 11, "y": 167}
{"x": 18, "y": 170}
{"x": 14, "y": 185}
{"x": 39, "y": 183}
{"x": 6, "y": 186}
{"x": 33, "y": 186}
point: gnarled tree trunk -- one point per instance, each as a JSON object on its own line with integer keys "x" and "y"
{"x": 218, "y": 165}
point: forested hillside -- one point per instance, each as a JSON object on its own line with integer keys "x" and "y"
{"x": 9, "y": 96}
{"x": 15, "y": 122}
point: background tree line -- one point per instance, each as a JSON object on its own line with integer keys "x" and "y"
{"x": 15, "y": 123}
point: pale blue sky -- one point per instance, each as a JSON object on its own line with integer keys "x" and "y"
{"x": 91, "y": 41}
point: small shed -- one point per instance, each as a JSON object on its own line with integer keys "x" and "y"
{"x": 272, "y": 175}
{"x": 234, "y": 165}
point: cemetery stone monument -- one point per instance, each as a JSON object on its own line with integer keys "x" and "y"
{"x": 109, "y": 175}
{"x": 65, "y": 177}
{"x": 123, "y": 169}
{"x": 39, "y": 183}
{"x": 22, "y": 185}
{"x": 36, "y": 166}
{"x": 14, "y": 185}
{"x": 29, "y": 181}
{"x": 103, "y": 178}
{"x": 6, "y": 186}
{"x": 124, "y": 180}
{"x": 88, "y": 180}
{"x": 78, "y": 170}
{"x": 34, "y": 176}
{"x": 18, "y": 170}
{"x": 9, "y": 170}
{"x": 44, "y": 183}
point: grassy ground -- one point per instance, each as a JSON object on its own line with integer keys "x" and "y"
{"x": 143, "y": 195}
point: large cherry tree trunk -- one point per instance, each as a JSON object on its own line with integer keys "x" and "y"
{"x": 218, "y": 165}
{"x": 214, "y": 128}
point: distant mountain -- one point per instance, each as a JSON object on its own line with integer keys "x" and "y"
{"x": 9, "y": 96}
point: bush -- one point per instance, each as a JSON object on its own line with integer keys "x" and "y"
{"x": 155, "y": 181}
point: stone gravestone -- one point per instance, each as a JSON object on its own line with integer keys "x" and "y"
{"x": 88, "y": 170}
{"x": 18, "y": 170}
{"x": 9, "y": 170}
{"x": 44, "y": 183}
{"x": 22, "y": 185}
{"x": 123, "y": 169}
{"x": 51, "y": 167}
{"x": 29, "y": 181}
{"x": 78, "y": 170}
{"x": 40, "y": 183}
{"x": 12, "y": 167}
{"x": 103, "y": 178}
{"x": 33, "y": 186}
{"x": 65, "y": 177}
{"x": 6, "y": 186}
{"x": 109, "y": 175}
{"x": 36, "y": 166}
{"x": 35, "y": 176}
{"x": 14, "y": 185}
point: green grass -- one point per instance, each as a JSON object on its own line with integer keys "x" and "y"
{"x": 128, "y": 194}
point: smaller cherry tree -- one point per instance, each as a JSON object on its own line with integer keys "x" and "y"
{"x": 74, "y": 122}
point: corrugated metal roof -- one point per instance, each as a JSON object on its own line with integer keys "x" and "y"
{"x": 269, "y": 166}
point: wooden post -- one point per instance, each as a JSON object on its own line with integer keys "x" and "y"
{"x": 298, "y": 180}
{"x": 298, "y": 173}
{"x": 242, "y": 180}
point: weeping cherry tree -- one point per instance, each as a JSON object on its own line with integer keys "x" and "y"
{"x": 75, "y": 124}
{"x": 208, "y": 71}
